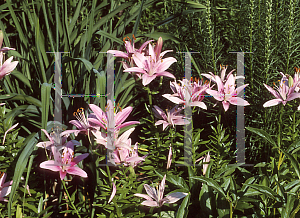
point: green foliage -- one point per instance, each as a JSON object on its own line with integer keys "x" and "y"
{"x": 83, "y": 31}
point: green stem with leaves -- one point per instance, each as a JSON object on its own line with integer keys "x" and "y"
{"x": 150, "y": 102}
{"x": 69, "y": 198}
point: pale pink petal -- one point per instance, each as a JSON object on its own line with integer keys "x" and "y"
{"x": 165, "y": 73}
{"x": 117, "y": 53}
{"x": 151, "y": 52}
{"x": 76, "y": 123}
{"x": 139, "y": 59}
{"x": 165, "y": 64}
{"x": 293, "y": 96}
{"x": 219, "y": 84}
{"x": 122, "y": 115}
{"x": 237, "y": 91}
{"x": 8, "y": 66}
{"x": 5, "y": 191}
{"x": 217, "y": 95}
{"x": 199, "y": 104}
{"x": 272, "y": 102}
{"x": 134, "y": 159}
{"x": 76, "y": 171}
{"x": 127, "y": 124}
{"x": 14, "y": 126}
{"x": 159, "y": 113}
{"x": 229, "y": 84}
{"x": 2, "y": 179}
{"x": 147, "y": 79}
{"x": 174, "y": 197}
{"x": 144, "y": 45}
{"x": 50, "y": 165}
{"x": 225, "y": 105}
{"x": 99, "y": 114}
{"x": 57, "y": 156}
{"x": 151, "y": 191}
{"x": 113, "y": 193}
{"x": 175, "y": 100}
{"x": 273, "y": 92}
{"x": 62, "y": 174}
{"x": 210, "y": 76}
{"x": 181, "y": 122}
{"x": 164, "y": 52}
{"x": 157, "y": 48}
{"x": 169, "y": 158}
{"x": 205, "y": 166}
{"x": 238, "y": 101}
{"x": 143, "y": 196}
{"x": 125, "y": 135}
{"x": 135, "y": 69}
{"x": 75, "y": 131}
{"x": 7, "y": 184}
{"x": 44, "y": 144}
{"x": 150, "y": 203}
{"x": 162, "y": 187}
{"x": 93, "y": 121}
{"x": 129, "y": 47}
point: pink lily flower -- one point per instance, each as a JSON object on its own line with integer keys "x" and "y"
{"x": 5, "y": 187}
{"x": 152, "y": 65}
{"x": 155, "y": 196}
{"x": 189, "y": 94}
{"x": 227, "y": 93}
{"x": 128, "y": 157}
{"x": 130, "y": 48}
{"x": 65, "y": 163}
{"x": 284, "y": 92}
{"x": 173, "y": 117}
{"x": 82, "y": 124}
{"x": 223, "y": 69}
{"x": 100, "y": 118}
{"x": 119, "y": 142}
{"x": 56, "y": 139}
{"x": 8, "y": 66}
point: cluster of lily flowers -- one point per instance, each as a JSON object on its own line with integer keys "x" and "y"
{"x": 6, "y": 67}
{"x": 287, "y": 90}
{"x": 105, "y": 126}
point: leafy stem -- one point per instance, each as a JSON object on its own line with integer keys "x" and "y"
{"x": 69, "y": 198}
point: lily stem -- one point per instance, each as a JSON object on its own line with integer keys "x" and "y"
{"x": 69, "y": 198}
{"x": 150, "y": 102}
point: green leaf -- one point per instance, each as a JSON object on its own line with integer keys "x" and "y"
{"x": 164, "y": 36}
{"x": 88, "y": 65}
{"x": 30, "y": 143}
{"x": 263, "y": 134}
{"x": 183, "y": 209}
{"x": 265, "y": 190}
{"x": 110, "y": 36}
{"x": 45, "y": 97}
{"x": 294, "y": 163}
{"x": 212, "y": 183}
{"x": 19, "y": 212}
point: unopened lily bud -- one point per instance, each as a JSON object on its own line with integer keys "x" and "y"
{"x": 291, "y": 82}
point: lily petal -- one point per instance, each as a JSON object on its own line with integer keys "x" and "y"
{"x": 113, "y": 193}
